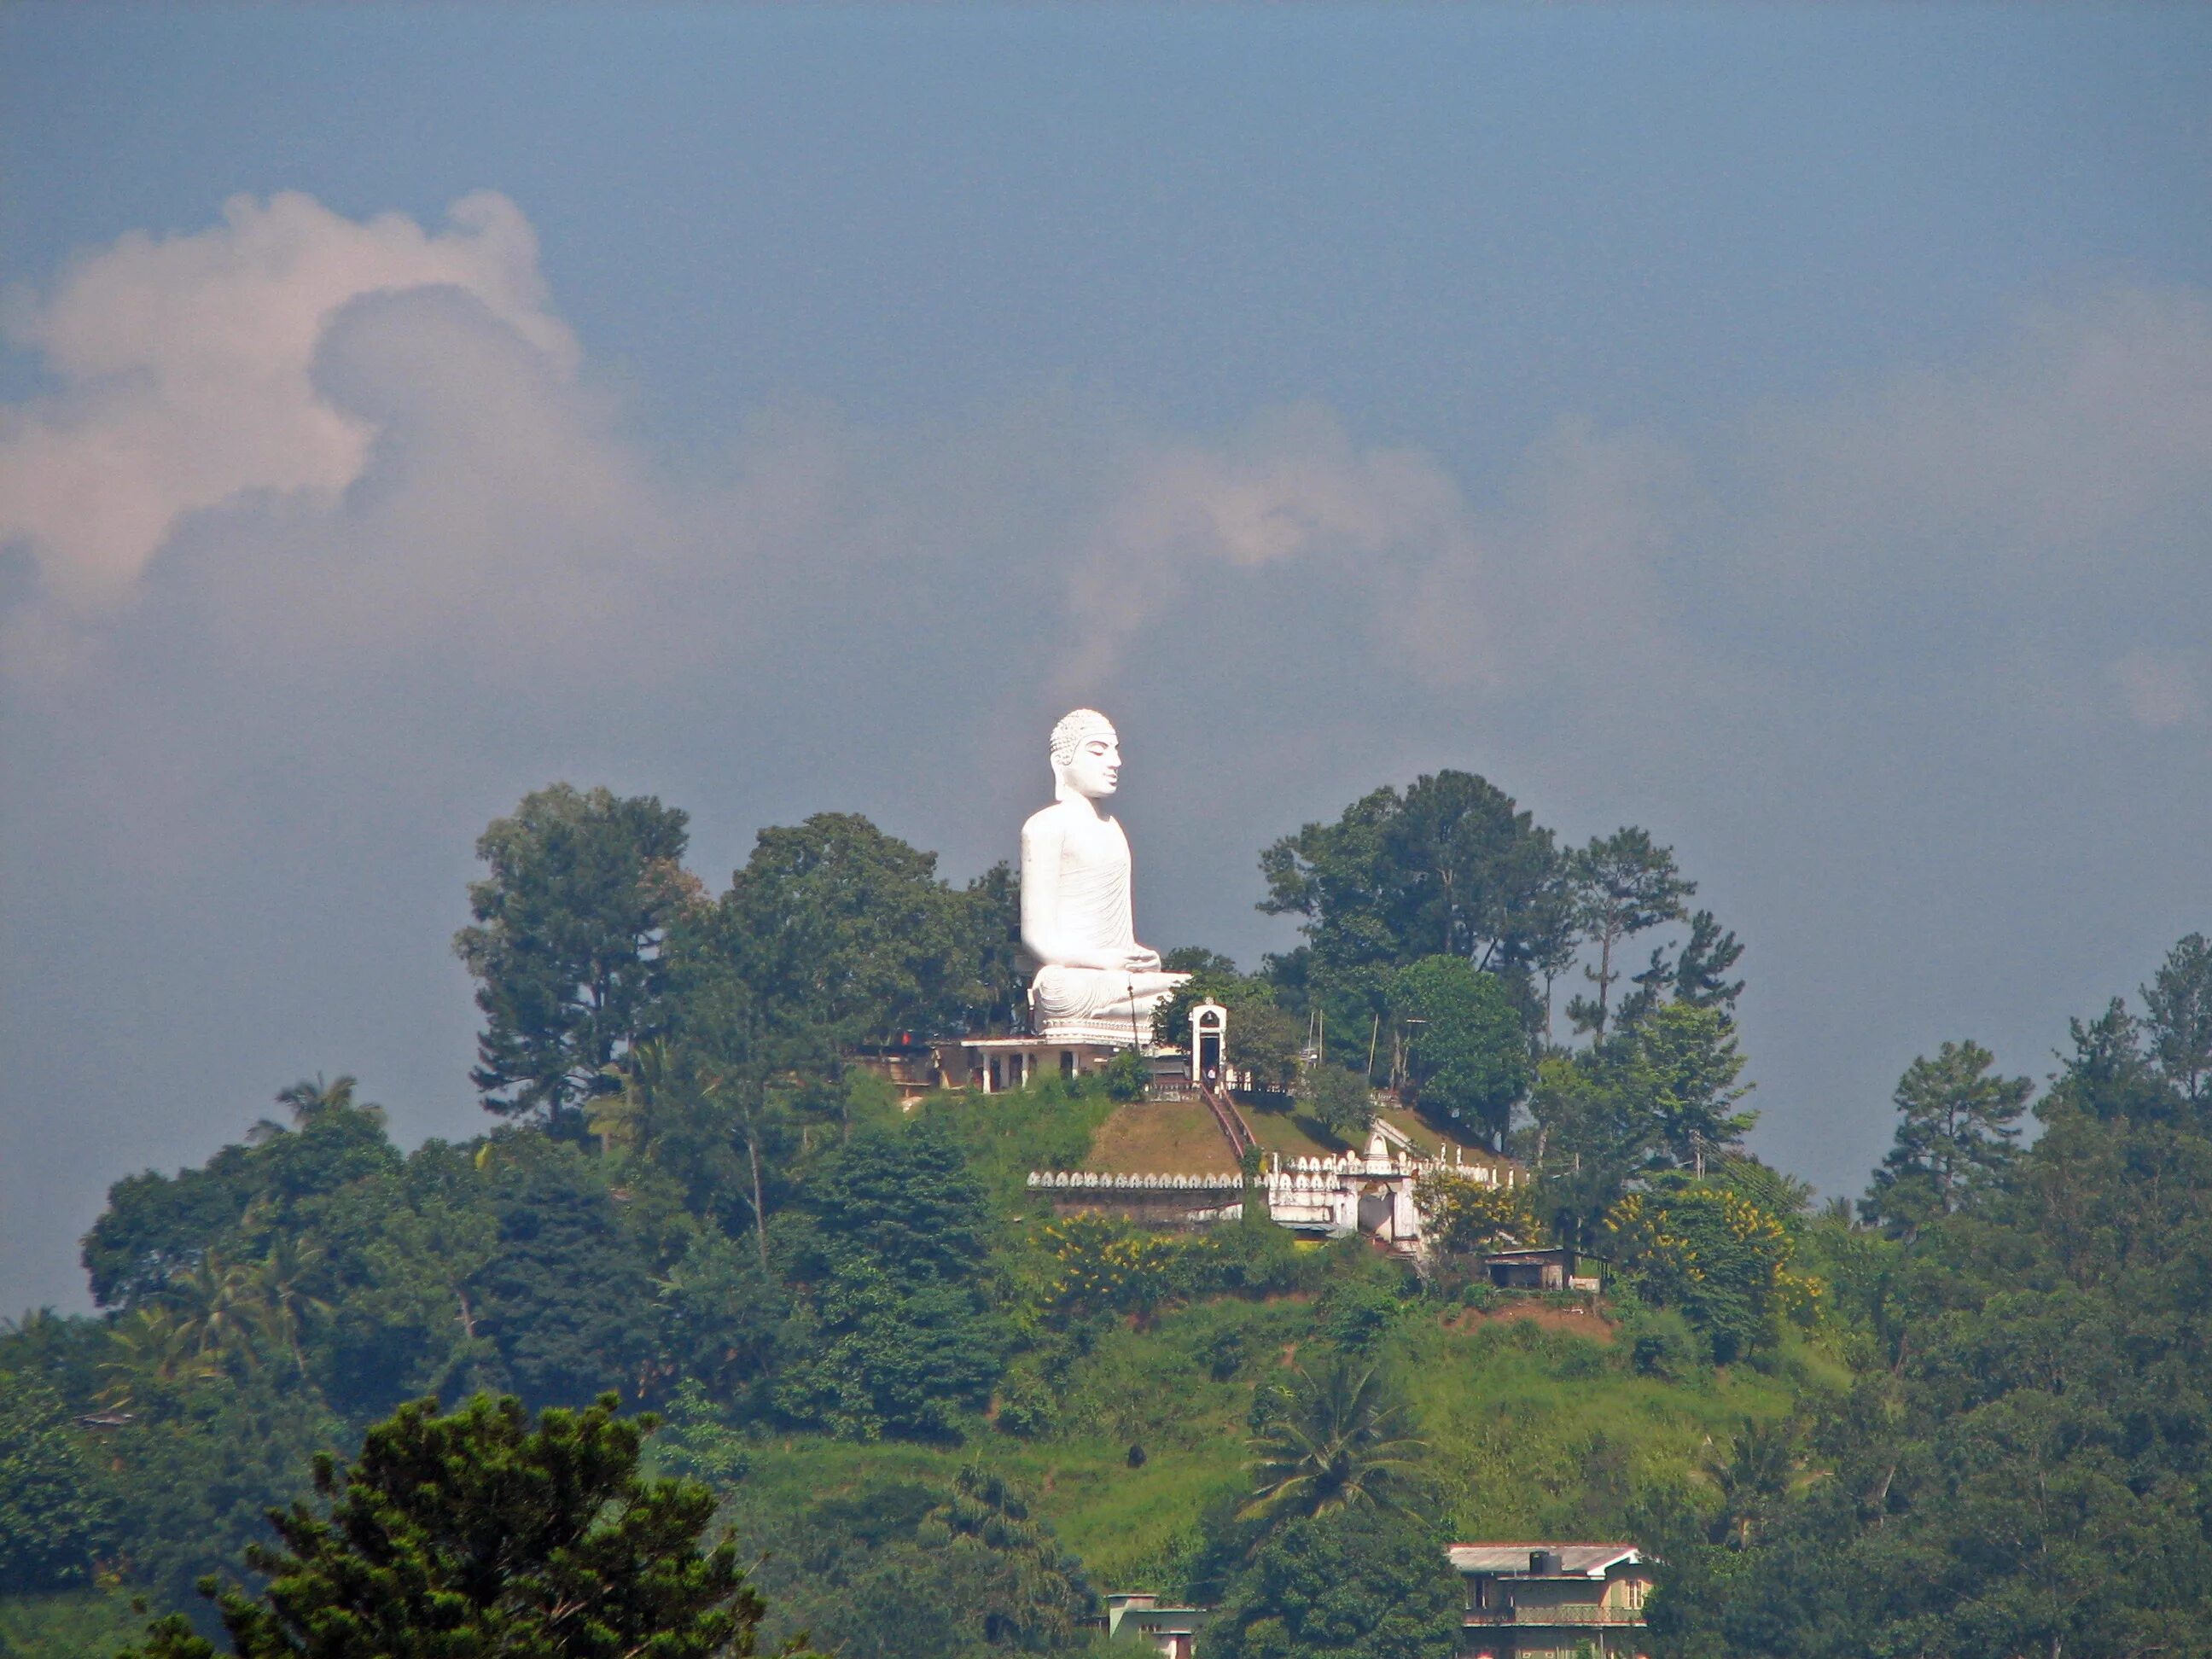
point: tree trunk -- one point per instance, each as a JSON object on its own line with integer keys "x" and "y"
{"x": 760, "y": 1215}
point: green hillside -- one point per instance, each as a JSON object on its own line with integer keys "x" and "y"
{"x": 1967, "y": 1416}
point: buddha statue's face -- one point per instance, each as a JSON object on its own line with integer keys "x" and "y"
{"x": 1094, "y": 769}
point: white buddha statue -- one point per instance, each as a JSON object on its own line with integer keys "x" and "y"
{"x": 1094, "y": 982}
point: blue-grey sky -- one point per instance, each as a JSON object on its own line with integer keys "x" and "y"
{"x": 1788, "y": 429}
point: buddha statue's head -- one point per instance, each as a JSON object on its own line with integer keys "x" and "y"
{"x": 1086, "y": 754}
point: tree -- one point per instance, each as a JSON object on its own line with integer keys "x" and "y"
{"x": 893, "y": 1336}
{"x": 198, "y": 1467}
{"x": 1341, "y": 1102}
{"x": 1264, "y": 1038}
{"x": 1696, "y": 974}
{"x": 1623, "y": 885}
{"x": 903, "y": 1199}
{"x": 566, "y": 946}
{"x": 1452, "y": 867}
{"x": 566, "y": 1298}
{"x": 57, "y": 1507}
{"x": 1464, "y": 1217}
{"x": 1470, "y": 1060}
{"x": 1682, "y": 1069}
{"x": 1712, "y": 1252}
{"x": 1351, "y": 1584}
{"x": 310, "y": 1097}
{"x": 1034, "y": 1593}
{"x": 840, "y": 929}
{"x": 1956, "y": 1127}
{"x": 2178, "y": 1003}
{"x": 478, "y": 1533}
{"x": 1343, "y": 1442}
{"x": 1590, "y": 1139}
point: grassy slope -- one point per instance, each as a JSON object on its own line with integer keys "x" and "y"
{"x": 68, "y": 1626}
{"x": 1533, "y": 1429}
{"x": 1533, "y": 1432}
{"x": 1165, "y": 1137}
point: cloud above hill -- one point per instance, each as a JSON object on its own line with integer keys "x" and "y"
{"x": 183, "y": 371}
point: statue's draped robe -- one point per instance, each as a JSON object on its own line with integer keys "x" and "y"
{"x": 1095, "y": 913}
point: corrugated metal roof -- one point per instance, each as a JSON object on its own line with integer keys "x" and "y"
{"x": 1575, "y": 1561}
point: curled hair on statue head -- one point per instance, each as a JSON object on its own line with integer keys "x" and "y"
{"x": 1076, "y": 728}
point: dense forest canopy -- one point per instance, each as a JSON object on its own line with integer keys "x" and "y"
{"x": 1968, "y": 1414}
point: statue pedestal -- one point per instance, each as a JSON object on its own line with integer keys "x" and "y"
{"x": 1110, "y": 1033}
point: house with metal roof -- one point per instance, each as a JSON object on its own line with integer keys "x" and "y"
{"x": 1537, "y": 1601}
{"x": 1170, "y": 1630}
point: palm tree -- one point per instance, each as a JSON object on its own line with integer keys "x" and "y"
{"x": 150, "y": 1346}
{"x": 281, "y": 1307}
{"x": 1341, "y": 1445}
{"x": 310, "y": 1097}
{"x": 1756, "y": 1474}
{"x": 216, "y": 1310}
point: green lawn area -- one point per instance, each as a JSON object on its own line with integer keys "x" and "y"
{"x": 1161, "y": 1137}
{"x": 1293, "y": 1134}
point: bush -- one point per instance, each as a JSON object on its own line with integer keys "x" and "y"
{"x": 1662, "y": 1343}
{"x": 1356, "y": 1317}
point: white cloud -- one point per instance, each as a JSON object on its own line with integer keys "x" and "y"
{"x": 184, "y": 372}
{"x": 1291, "y": 486}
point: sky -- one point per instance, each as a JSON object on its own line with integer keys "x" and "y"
{"x": 1787, "y": 429}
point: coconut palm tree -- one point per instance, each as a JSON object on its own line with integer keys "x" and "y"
{"x": 217, "y": 1310}
{"x": 1341, "y": 1443}
{"x": 1756, "y": 1474}
{"x": 312, "y": 1097}
{"x": 150, "y": 1345}
{"x": 273, "y": 1285}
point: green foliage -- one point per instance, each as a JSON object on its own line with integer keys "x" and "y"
{"x": 156, "y": 1227}
{"x": 1263, "y": 1038}
{"x": 1622, "y": 885}
{"x": 1451, "y": 867}
{"x": 1718, "y": 1256}
{"x": 1126, "y": 1076}
{"x": 1034, "y": 1591}
{"x": 1956, "y": 1126}
{"x": 566, "y": 1298}
{"x": 1936, "y": 1436}
{"x": 920, "y": 1568}
{"x": 844, "y": 931}
{"x": 2022, "y": 1468}
{"x": 2178, "y": 1005}
{"x": 695, "y": 1441}
{"x": 565, "y": 946}
{"x": 1341, "y": 1102}
{"x": 481, "y": 1533}
{"x": 893, "y": 1336}
{"x": 1657, "y": 1095}
{"x": 1342, "y": 1440}
{"x": 1351, "y": 1583}
{"x": 1464, "y": 1217}
{"x": 1681, "y": 1073}
{"x": 902, "y": 1200}
{"x": 57, "y": 1507}
{"x": 67, "y": 1624}
{"x": 1103, "y": 1266}
{"x": 200, "y": 1464}
{"x": 1470, "y": 1060}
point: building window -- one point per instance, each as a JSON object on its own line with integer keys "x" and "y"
{"x": 1067, "y": 1062}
